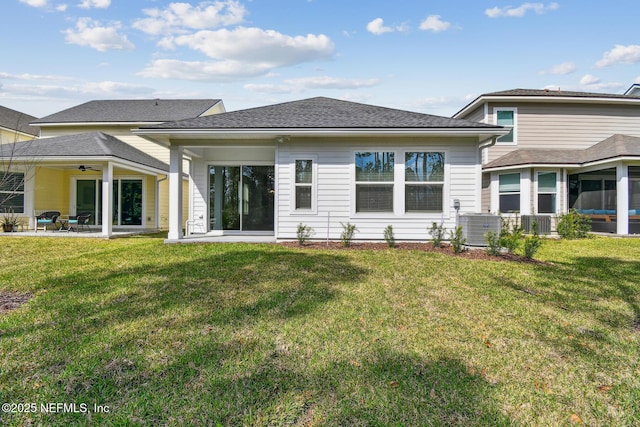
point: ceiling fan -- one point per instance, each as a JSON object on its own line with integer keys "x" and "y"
{"x": 84, "y": 168}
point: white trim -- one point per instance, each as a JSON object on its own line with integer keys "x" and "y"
{"x": 536, "y": 191}
{"x": 399, "y": 183}
{"x": 314, "y": 183}
{"x": 622, "y": 195}
{"x": 542, "y": 99}
{"x": 107, "y": 200}
{"x": 175, "y": 193}
{"x": 514, "y": 110}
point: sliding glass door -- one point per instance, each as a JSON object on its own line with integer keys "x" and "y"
{"x": 127, "y": 200}
{"x": 241, "y": 198}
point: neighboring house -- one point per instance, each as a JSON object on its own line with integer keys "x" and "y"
{"x": 565, "y": 150}
{"x": 87, "y": 160}
{"x": 633, "y": 90}
{"x": 323, "y": 162}
{"x": 14, "y": 126}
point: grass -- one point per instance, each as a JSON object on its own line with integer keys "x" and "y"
{"x": 247, "y": 334}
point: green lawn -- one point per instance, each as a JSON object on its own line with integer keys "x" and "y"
{"x": 244, "y": 334}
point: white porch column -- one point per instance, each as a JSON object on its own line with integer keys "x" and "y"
{"x": 525, "y": 192}
{"x": 175, "y": 193}
{"x": 107, "y": 200}
{"x": 622, "y": 196}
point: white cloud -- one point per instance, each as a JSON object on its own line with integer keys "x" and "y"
{"x": 520, "y": 11}
{"x": 637, "y": 80}
{"x": 435, "y": 24}
{"x": 32, "y": 77}
{"x": 100, "y": 4}
{"x": 180, "y": 17}
{"x": 620, "y": 55}
{"x": 589, "y": 79}
{"x": 254, "y": 46}
{"x": 377, "y": 27}
{"x": 61, "y": 7}
{"x": 102, "y": 38}
{"x": 35, "y": 3}
{"x": 561, "y": 69}
{"x": 202, "y": 70}
{"x": 305, "y": 83}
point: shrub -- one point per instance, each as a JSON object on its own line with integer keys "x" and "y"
{"x": 493, "y": 243}
{"x": 532, "y": 243}
{"x": 457, "y": 240}
{"x": 389, "y": 237}
{"x": 303, "y": 233}
{"x": 348, "y": 230}
{"x": 510, "y": 234}
{"x": 573, "y": 225}
{"x": 437, "y": 234}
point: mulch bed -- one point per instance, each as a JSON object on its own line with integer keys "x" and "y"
{"x": 12, "y": 300}
{"x": 472, "y": 253}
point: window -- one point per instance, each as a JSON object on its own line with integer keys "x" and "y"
{"x": 12, "y": 191}
{"x": 506, "y": 117}
{"x": 547, "y": 192}
{"x": 509, "y": 190}
{"x": 304, "y": 184}
{"x": 374, "y": 181}
{"x": 424, "y": 181}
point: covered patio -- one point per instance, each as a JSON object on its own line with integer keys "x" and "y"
{"x": 94, "y": 173}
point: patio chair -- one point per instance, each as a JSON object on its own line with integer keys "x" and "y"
{"x": 82, "y": 221}
{"x": 46, "y": 219}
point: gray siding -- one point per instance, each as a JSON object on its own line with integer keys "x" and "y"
{"x": 552, "y": 126}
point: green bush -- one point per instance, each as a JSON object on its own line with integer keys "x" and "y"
{"x": 573, "y": 225}
{"x": 511, "y": 234}
{"x": 493, "y": 243}
{"x": 532, "y": 243}
{"x": 348, "y": 231}
{"x": 303, "y": 233}
{"x": 457, "y": 240}
{"x": 389, "y": 237}
{"x": 437, "y": 234}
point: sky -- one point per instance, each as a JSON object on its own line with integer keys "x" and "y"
{"x": 430, "y": 56}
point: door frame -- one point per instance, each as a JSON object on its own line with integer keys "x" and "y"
{"x": 240, "y": 164}
{"x": 98, "y": 179}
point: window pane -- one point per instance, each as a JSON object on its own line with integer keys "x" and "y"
{"x": 509, "y": 203}
{"x": 509, "y": 183}
{"x": 424, "y": 166}
{"x": 303, "y": 197}
{"x": 506, "y": 119}
{"x": 374, "y": 198}
{"x": 423, "y": 198}
{"x": 14, "y": 202}
{"x": 304, "y": 171}
{"x": 11, "y": 181}
{"x": 546, "y": 203}
{"x": 377, "y": 166}
{"x": 547, "y": 182}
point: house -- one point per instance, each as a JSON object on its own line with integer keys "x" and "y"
{"x": 87, "y": 160}
{"x": 14, "y": 126}
{"x": 323, "y": 162}
{"x": 565, "y": 150}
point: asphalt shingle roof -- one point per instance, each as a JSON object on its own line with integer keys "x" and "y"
{"x": 133, "y": 111}
{"x": 15, "y": 120}
{"x": 613, "y": 147}
{"x": 324, "y": 113}
{"x": 93, "y": 145}
{"x": 559, "y": 93}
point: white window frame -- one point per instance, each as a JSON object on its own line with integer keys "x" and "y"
{"x": 515, "y": 124}
{"x": 425, "y": 183}
{"x": 314, "y": 184}
{"x": 399, "y": 183}
{"x": 537, "y": 192}
{"x": 519, "y": 192}
{"x": 394, "y": 183}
